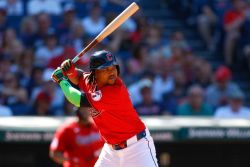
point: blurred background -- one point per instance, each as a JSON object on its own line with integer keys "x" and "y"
{"x": 186, "y": 64}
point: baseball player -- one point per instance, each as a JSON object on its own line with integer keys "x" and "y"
{"x": 127, "y": 140}
{"x": 77, "y": 143}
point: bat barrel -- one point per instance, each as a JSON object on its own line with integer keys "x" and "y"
{"x": 120, "y": 19}
{"x": 129, "y": 11}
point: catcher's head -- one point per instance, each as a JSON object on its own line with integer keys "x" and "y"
{"x": 104, "y": 68}
{"x": 83, "y": 114}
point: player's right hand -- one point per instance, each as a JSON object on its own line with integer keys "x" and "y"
{"x": 68, "y": 68}
{"x": 57, "y": 75}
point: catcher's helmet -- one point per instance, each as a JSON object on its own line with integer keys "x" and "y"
{"x": 102, "y": 59}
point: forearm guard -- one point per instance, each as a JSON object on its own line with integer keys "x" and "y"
{"x": 73, "y": 95}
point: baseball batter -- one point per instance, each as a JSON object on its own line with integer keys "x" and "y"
{"x": 127, "y": 140}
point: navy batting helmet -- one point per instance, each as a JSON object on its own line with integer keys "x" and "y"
{"x": 102, "y": 59}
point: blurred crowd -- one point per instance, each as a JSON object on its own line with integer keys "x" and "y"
{"x": 164, "y": 75}
{"x": 222, "y": 24}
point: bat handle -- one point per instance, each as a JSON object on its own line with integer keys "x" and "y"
{"x": 75, "y": 59}
{"x": 85, "y": 50}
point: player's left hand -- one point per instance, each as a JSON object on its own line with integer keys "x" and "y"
{"x": 57, "y": 75}
{"x": 68, "y": 68}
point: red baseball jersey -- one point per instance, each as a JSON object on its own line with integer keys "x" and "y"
{"x": 113, "y": 111}
{"x": 81, "y": 143}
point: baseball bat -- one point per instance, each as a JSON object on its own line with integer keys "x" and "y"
{"x": 121, "y": 18}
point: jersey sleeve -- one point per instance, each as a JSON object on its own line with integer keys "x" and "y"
{"x": 83, "y": 82}
{"x": 60, "y": 140}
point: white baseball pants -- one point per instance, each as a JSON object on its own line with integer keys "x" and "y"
{"x": 137, "y": 154}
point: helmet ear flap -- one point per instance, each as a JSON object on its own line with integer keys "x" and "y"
{"x": 118, "y": 69}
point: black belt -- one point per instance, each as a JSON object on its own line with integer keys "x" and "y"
{"x": 124, "y": 144}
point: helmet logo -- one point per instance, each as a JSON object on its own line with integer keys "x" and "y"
{"x": 109, "y": 56}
